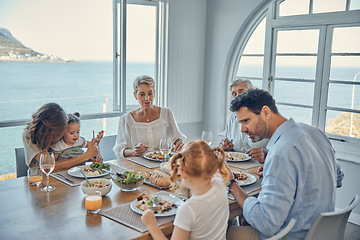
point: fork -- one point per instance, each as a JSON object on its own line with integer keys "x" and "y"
{"x": 155, "y": 202}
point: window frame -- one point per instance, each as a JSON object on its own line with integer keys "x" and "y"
{"x": 322, "y": 21}
{"x": 119, "y": 56}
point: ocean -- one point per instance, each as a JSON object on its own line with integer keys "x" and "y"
{"x": 87, "y": 87}
{"x": 84, "y": 87}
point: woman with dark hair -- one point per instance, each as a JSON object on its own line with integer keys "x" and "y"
{"x": 47, "y": 126}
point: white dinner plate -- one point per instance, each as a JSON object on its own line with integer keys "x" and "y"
{"x": 75, "y": 172}
{"x": 236, "y": 157}
{"x": 146, "y": 156}
{"x": 250, "y": 180}
{"x": 173, "y": 211}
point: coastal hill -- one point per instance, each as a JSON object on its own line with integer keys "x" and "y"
{"x": 13, "y": 50}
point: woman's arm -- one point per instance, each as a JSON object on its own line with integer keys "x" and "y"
{"x": 123, "y": 144}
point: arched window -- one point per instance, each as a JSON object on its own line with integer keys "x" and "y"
{"x": 307, "y": 54}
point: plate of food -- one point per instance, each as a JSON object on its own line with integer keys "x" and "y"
{"x": 157, "y": 156}
{"x": 164, "y": 205}
{"x": 244, "y": 179}
{"x": 158, "y": 180}
{"x": 91, "y": 171}
{"x": 236, "y": 157}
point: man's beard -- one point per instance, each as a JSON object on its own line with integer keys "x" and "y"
{"x": 259, "y": 132}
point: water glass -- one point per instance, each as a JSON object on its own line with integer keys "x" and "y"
{"x": 93, "y": 202}
{"x": 165, "y": 147}
{"x": 207, "y": 137}
{"x": 34, "y": 176}
{"x": 47, "y": 165}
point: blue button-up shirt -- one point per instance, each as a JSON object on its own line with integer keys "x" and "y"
{"x": 299, "y": 181}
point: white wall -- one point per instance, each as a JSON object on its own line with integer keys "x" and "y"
{"x": 224, "y": 19}
{"x": 186, "y": 64}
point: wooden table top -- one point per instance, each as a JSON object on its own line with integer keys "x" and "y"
{"x": 28, "y": 213}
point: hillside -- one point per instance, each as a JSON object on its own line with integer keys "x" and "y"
{"x": 13, "y": 50}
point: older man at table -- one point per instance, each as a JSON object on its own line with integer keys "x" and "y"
{"x": 299, "y": 174}
{"x": 235, "y": 140}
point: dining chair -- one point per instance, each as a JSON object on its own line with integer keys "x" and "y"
{"x": 332, "y": 225}
{"x": 21, "y": 167}
{"x": 284, "y": 234}
{"x": 106, "y": 147}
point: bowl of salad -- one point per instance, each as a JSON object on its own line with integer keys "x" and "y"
{"x": 129, "y": 180}
{"x": 97, "y": 184}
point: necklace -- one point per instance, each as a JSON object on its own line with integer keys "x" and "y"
{"x": 147, "y": 119}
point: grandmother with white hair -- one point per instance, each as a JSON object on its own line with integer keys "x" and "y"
{"x": 143, "y": 128}
{"x": 234, "y": 139}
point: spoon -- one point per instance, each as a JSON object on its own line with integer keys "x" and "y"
{"x": 85, "y": 177}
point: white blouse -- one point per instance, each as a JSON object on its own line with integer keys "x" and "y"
{"x": 131, "y": 132}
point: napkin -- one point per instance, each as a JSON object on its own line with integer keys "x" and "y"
{"x": 144, "y": 162}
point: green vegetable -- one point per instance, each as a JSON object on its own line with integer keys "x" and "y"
{"x": 99, "y": 166}
{"x": 129, "y": 177}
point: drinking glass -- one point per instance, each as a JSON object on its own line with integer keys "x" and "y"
{"x": 93, "y": 202}
{"x": 47, "y": 165}
{"x": 165, "y": 147}
{"x": 207, "y": 137}
{"x": 34, "y": 176}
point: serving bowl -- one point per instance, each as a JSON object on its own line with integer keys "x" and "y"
{"x": 129, "y": 180}
{"x": 97, "y": 184}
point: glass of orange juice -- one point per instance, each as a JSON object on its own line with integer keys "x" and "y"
{"x": 34, "y": 176}
{"x": 93, "y": 202}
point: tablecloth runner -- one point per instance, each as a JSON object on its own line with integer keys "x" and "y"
{"x": 244, "y": 165}
{"x": 76, "y": 181}
{"x": 144, "y": 162}
{"x": 125, "y": 215}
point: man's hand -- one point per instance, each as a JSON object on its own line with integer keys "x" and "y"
{"x": 257, "y": 154}
{"x": 260, "y": 171}
{"x": 226, "y": 145}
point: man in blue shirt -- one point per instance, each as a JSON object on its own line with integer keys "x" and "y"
{"x": 299, "y": 174}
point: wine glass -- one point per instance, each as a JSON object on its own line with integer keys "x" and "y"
{"x": 165, "y": 147}
{"x": 207, "y": 137}
{"x": 34, "y": 176}
{"x": 47, "y": 165}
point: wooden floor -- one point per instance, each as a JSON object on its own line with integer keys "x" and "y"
{"x": 352, "y": 232}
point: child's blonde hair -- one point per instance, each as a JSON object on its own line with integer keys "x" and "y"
{"x": 198, "y": 159}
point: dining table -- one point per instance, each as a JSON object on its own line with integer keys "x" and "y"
{"x": 26, "y": 212}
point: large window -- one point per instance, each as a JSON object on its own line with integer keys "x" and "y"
{"x": 74, "y": 60}
{"x": 309, "y": 61}
{"x": 140, "y": 48}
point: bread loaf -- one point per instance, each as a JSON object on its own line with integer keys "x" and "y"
{"x": 160, "y": 179}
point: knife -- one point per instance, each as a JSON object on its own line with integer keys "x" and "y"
{"x": 65, "y": 178}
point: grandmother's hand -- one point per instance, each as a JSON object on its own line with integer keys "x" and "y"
{"x": 178, "y": 145}
{"x": 140, "y": 149}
